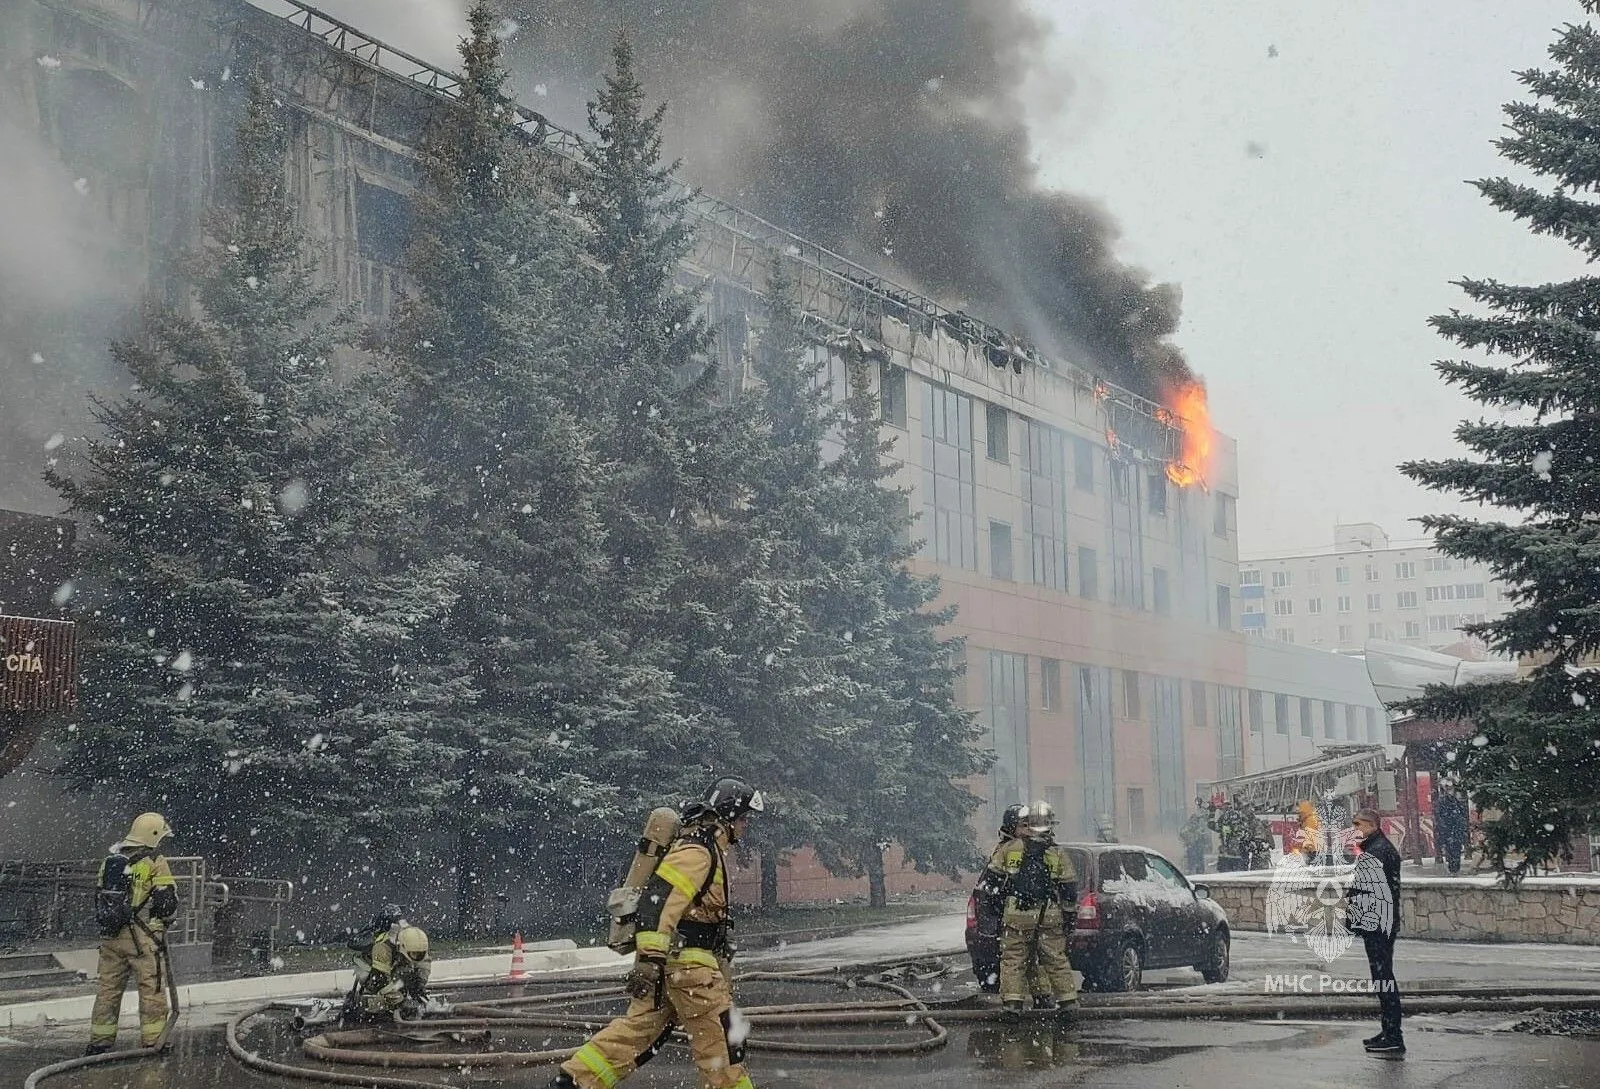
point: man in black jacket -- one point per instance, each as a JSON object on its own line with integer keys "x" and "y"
{"x": 1374, "y": 913}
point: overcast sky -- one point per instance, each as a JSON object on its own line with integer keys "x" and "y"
{"x": 1311, "y": 205}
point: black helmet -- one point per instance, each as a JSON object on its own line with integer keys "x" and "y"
{"x": 729, "y": 799}
{"x": 1009, "y": 819}
{"x": 391, "y": 914}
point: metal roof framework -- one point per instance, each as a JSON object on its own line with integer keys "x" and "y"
{"x": 878, "y": 293}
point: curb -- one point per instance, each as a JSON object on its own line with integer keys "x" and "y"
{"x": 552, "y": 957}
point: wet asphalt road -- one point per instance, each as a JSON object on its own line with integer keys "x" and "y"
{"x": 1459, "y": 1051}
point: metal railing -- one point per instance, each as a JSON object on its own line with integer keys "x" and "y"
{"x": 386, "y": 60}
{"x": 56, "y": 898}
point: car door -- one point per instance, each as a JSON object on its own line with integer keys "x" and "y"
{"x": 1136, "y": 907}
{"x": 1184, "y": 924}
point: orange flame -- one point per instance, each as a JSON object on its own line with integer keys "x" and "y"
{"x": 1193, "y": 465}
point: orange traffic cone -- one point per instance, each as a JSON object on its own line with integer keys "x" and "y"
{"x": 516, "y": 957}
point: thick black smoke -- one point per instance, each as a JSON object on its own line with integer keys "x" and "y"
{"x": 889, "y": 130}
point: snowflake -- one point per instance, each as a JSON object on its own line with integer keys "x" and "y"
{"x": 82, "y": 186}
{"x": 197, "y": 84}
{"x": 1541, "y": 464}
{"x": 54, "y": 441}
{"x": 49, "y": 63}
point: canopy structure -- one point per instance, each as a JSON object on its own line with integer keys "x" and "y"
{"x": 1342, "y": 770}
{"x": 1399, "y": 672}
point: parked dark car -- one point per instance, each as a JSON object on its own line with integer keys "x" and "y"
{"x": 1136, "y": 911}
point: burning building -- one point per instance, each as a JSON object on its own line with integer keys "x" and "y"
{"x": 1086, "y": 533}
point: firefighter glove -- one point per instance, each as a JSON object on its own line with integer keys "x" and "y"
{"x": 647, "y": 977}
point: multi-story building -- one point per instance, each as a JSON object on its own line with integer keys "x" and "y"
{"x": 1368, "y": 587}
{"x": 1097, "y": 599}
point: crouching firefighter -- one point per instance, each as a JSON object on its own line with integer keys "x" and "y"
{"x": 1040, "y": 890}
{"x": 392, "y": 970}
{"x": 135, "y": 898}
{"x": 682, "y": 962}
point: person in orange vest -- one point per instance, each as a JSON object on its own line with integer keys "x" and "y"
{"x": 136, "y": 897}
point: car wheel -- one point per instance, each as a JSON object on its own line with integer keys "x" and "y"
{"x": 1215, "y": 969}
{"x": 1126, "y": 973}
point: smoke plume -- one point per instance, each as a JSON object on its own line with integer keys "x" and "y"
{"x": 889, "y": 130}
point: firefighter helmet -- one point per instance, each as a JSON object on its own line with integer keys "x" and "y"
{"x": 412, "y": 942}
{"x": 1039, "y": 817}
{"x": 729, "y": 799}
{"x": 1009, "y": 819}
{"x": 147, "y": 830}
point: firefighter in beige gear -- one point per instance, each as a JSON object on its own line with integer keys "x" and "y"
{"x": 392, "y": 969}
{"x": 681, "y": 970}
{"x": 1040, "y": 890}
{"x": 135, "y": 898}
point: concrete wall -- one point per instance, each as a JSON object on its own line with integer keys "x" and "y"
{"x": 1544, "y": 909}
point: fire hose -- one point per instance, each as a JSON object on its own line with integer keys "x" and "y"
{"x": 164, "y": 967}
{"x": 404, "y": 1045}
{"x": 899, "y": 1007}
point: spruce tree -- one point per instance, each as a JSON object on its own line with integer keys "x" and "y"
{"x": 901, "y": 771}
{"x": 493, "y": 342}
{"x": 678, "y": 459}
{"x": 1535, "y": 753}
{"x": 248, "y": 606}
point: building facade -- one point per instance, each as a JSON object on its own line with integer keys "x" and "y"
{"x": 1098, "y": 601}
{"x": 1368, "y": 587}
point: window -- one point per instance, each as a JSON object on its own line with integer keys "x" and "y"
{"x": 1375, "y": 630}
{"x": 1372, "y": 572}
{"x": 1044, "y": 504}
{"x": 1374, "y": 602}
{"x": 1197, "y": 699}
{"x": 1316, "y": 636}
{"x": 1224, "y": 608}
{"x": 1158, "y": 492}
{"x": 1050, "y": 684}
{"x": 1305, "y": 718}
{"x": 1413, "y": 629}
{"x": 1346, "y": 635}
{"x": 1314, "y": 576}
{"x": 1439, "y": 624}
{"x": 1314, "y": 606}
{"x": 1162, "y": 871}
{"x": 1056, "y": 798}
{"x": 1135, "y": 828}
{"x": 1440, "y": 563}
{"x": 1440, "y": 593}
{"x": 1406, "y": 599}
{"x": 1472, "y": 589}
{"x": 1130, "y": 695}
{"x": 1344, "y": 603}
{"x": 902, "y": 533}
{"x": 1280, "y": 712}
{"x": 1341, "y": 574}
{"x": 1121, "y": 481}
{"x": 1283, "y": 607}
{"x": 1283, "y": 635}
{"x": 1249, "y": 578}
{"x": 1000, "y": 551}
{"x": 1280, "y": 579}
{"x": 999, "y": 432}
{"x": 1162, "y": 602}
{"x": 1088, "y": 574}
{"x": 892, "y": 400}
{"x": 1372, "y": 725}
{"x": 948, "y": 481}
{"x": 1406, "y": 570}
{"x": 1222, "y": 518}
{"x": 1083, "y": 464}
{"x": 1230, "y": 738}
{"x": 1005, "y": 714}
{"x": 1258, "y": 720}
{"x": 1327, "y": 718}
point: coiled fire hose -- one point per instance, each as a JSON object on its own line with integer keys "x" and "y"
{"x": 403, "y": 1046}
